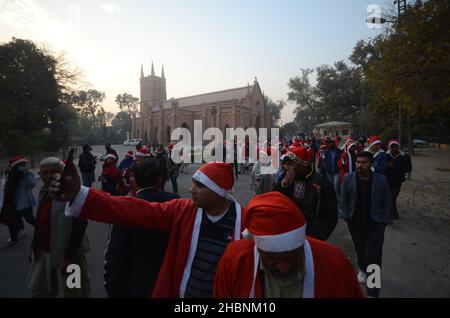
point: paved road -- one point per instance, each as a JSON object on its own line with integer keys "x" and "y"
{"x": 415, "y": 263}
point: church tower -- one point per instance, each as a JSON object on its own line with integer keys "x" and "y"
{"x": 153, "y": 88}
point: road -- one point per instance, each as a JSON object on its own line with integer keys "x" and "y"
{"x": 416, "y": 256}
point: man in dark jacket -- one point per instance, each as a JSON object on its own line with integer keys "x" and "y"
{"x": 366, "y": 202}
{"x": 311, "y": 192}
{"x": 134, "y": 256}
{"x": 330, "y": 164}
{"x": 86, "y": 163}
{"x": 399, "y": 163}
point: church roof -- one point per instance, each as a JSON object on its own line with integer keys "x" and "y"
{"x": 229, "y": 94}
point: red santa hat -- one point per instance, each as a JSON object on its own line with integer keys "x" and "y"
{"x": 216, "y": 176}
{"x": 110, "y": 155}
{"x": 143, "y": 152}
{"x": 296, "y": 153}
{"x": 275, "y": 223}
{"x": 349, "y": 143}
{"x": 394, "y": 142}
{"x": 16, "y": 160}
{"x": 373, "y": 140}
{"x": 129, "y": 153}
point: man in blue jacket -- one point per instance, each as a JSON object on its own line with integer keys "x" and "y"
{"x": 366, "y": 202}
{"x": 332, "y": 156}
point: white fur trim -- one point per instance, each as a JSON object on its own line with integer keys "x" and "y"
{"x": 142, "y": 154}
{"x": 374, "y": 143}
{"x": 394, "y": 143}
{"x": 308, "y": 280}
{"x": 74, "y": 209}
{"x": 110, "y": 156}
{"x": 255, "y": 270}
{"x": 18, "y": 161}
{"x": 281, "y": 242}
{"x": 203, "y": 178}
{"x": 192, "y": 250}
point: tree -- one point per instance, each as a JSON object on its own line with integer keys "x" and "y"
{"x": 274, "y": 108}
{"x": 121, "y": 125}
{"x": 88, "y": 105}
{"x": 336, "y": 96}
{"x": 30, "y": 99}
{"x": 289, "y": 129}
{"x": 412, "y": 65}
{"x": 128, "y": 103}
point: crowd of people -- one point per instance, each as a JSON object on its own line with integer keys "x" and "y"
{"x": 161, "y": 245}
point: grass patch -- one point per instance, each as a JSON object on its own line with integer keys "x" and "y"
{"x": 442, "y": 169}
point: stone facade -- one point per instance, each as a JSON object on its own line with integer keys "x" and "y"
{"x": 239, "y": 107}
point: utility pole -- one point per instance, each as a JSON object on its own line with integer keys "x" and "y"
{"x": 401, "y": 11}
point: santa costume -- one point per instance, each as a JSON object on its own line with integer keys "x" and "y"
{"x": 347, "y": 161}
{"x": 276, "y": 226}
{"x": 181, "y": 218}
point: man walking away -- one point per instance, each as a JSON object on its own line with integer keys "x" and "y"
{"x": 399, "y": 163}
{"x": 86, "y": 163}
{"x": 134, "y": 255}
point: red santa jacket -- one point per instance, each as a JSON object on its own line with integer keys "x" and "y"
{"x": 329, "y": 274}
{"x": 181, "y": 217}
{"x": 344, "y": 165}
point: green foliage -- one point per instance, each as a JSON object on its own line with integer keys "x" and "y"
{"x": 30, "y": 96}
{"x": 128, "y": 103}
{"x": 121, "y": 124}
{"x": 338, "y": 95}
{"x": 274, "y": 108}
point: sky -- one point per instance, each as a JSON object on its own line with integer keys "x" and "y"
{"x": 204, "y": 45}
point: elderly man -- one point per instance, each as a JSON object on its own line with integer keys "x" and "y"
{"x": 199, "y": 229}
{"x": 58, "y": 241}
{"x": 311, "y": 192}
{"x": 279, "y": 261}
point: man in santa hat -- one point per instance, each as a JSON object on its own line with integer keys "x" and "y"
{"x": 399, "y": 163}
{"x": 279, "y": 260}
{"x": 347, "y": 161}
{"x": 380, "y": 161}
{"x": 199, "y": 229}
{"x": 311, "y": 192}
{"x": 124, "y": 169}
{"x": 142, "y": 154}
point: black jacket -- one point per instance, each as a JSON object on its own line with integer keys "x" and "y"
{"x": 86, "y": 162}
{"x": 319, "y": 206}
{"x": 402, "y": 165}
{"x": 134, "y": 256}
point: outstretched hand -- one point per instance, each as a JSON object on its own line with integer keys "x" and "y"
{"x": 66, "y": 189}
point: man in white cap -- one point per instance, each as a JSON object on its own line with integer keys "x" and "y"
{"x": 279, "y": 260}
{"x": 199, "y": 229}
